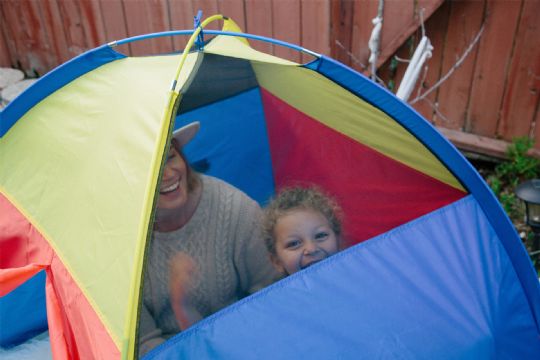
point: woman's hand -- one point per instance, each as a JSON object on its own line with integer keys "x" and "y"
{"x": 182, "y": 276}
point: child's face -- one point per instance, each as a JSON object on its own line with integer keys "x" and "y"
{"x": 303, "y": 237}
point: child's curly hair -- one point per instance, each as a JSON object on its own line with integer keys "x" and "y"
{"x": 298, "y": 197}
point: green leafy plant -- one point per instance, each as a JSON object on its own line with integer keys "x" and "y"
{"x": 518, "y": 168}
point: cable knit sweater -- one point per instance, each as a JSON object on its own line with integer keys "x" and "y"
{"x": 223, "y": 238}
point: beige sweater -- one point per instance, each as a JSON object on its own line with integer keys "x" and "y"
{"x": 223, "y": 237}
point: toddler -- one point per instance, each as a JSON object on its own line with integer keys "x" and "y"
{"x": 301, "y": 227}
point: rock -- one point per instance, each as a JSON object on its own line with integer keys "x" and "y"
{"x": 9, "y": 76}
{"x": 12, "y": 91}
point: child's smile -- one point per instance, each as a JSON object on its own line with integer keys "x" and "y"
{"x": 303, "y": 237}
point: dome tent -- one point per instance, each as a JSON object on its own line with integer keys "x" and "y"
{"x": 435, "y": 269}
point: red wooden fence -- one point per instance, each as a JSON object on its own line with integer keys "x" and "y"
{"x": 491, "y": 98}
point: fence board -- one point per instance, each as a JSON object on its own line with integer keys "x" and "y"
{"x": 259, "y": 22}
{"x": 148, "y": 17}
{"x": 286, "y": 17}
{"x": 181, "y": 14}
{"x": 17, "y": 35}
{"x": 464, "y": 23}
{"x": 30, "y": 41}
{"x": 499, "y": 79}
{"x": 523, "y": 90}
{"x": 315, "y": 27}
{"x": 92, "y": 23}
{"x": 436, "y": 27}
{"x": 234, "y": 9}
{"x": 364, "y": 12}
{"x": 404, "y": 20}
{"x": 7, "y": 50}
{"x": 53, "y": 26}
{"x": 75, "y": 36}
{"x": 114, "y": 20}
{"x": 399, "y": 25}
{"x": 492, "y": 66}
{"x": 209, "y": 8}
{"x": 341, "y": 30}
{"x": 5, "y": 60}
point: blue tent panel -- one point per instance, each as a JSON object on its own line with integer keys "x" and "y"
{"x": 439, "y": 287}
{"x": 234, "y": 150}
{"x": 405, "y": 115}
{"x": 23, "y": 312}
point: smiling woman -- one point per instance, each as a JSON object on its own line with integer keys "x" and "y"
{"x": 205, "y": 252}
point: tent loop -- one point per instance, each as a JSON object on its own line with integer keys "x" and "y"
{"x": 198, "y": 30}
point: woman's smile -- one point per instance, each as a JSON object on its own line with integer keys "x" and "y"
{"x": 170, "y": 188}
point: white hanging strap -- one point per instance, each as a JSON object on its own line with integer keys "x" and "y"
{"x": 421, "y": 54}
{"x": 375, "y": 40}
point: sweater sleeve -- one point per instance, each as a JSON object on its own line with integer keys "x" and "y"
{"x": 251, "y": 257}
{"x": 150, "y": 335}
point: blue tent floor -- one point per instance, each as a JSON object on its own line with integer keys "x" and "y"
{"x": 37, "y": 348}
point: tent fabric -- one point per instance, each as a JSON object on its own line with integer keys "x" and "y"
{"x": 468, "y": 292}
{"x": 439, "y": 269}
{"x": 84, "y": 163}
{"x": 377, "y": 193}
{"x": 23, "y": 312}
{"x": 224, "y": 136}
{"x": 452, "y": 159}
{"x": 71, "y": 318}
{"x": 325, "y": 101}
{"x": 54, "y": 80}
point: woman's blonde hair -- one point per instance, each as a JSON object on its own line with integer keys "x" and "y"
{"x": 303, "y": 198}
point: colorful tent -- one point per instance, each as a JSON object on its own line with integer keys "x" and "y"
{"x": 435, "y": 268}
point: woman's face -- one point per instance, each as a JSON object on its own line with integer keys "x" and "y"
{"x": 173, "y": 191}
{"x": 303, "y": 238}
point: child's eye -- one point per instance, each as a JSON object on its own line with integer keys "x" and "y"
{"x": 292, "y": 244}
{"x": 321, "y": 235}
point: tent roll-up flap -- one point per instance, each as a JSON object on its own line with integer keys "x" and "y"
{"x": 433, "y": 268}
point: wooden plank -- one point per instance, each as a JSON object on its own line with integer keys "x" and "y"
{"x": 234, "y": 9}
{"x": 209, "y": 8}
{"x": 5, "y": 56}
{"x": 399, "y": 23}
{"x": 181, "y": 14}
{"x": 453, "y": 97}
{"x": 364, "y": 13}
{"x": 114, "y": 20}
{"x": 402, "y": 21}
{"x": 13, "y": 12}
{"x": 32, "y": 45}
{"x": 315, "y": 27}
{"x": 480, "y": 144}
{"x": 494, "y": 53}
{"x": 7, "y": 36}
{"x": 523, "y": 90}
{"x": 286, "y": 24}
{"x": 259, "y": 22}
{"x": 148, "y": 17}
{"x": 54, "y": 28}
{"x": 341, "y": 30}
{"x": 92, "y": 23}
{"x": 158, "y": 16}
{"x": 436, "y": 29}
{"x": 75, "y": 35}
